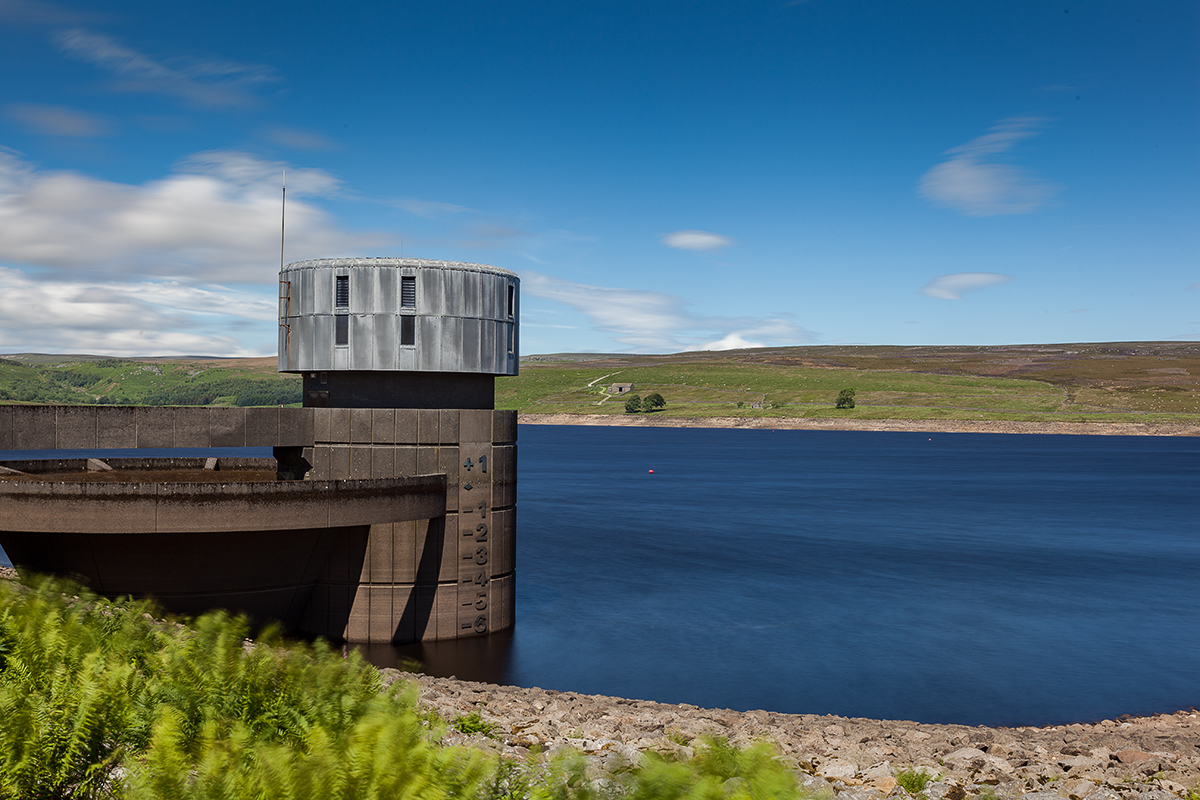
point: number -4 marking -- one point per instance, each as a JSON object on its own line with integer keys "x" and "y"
{"x": 480, "y": 579}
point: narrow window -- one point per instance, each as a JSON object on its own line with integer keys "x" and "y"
{"x": 408, "y": 330}
{"x": 512, "y": 303}
{"x": 510, "y": 337}
{"x": 341, "y": 330}
{"x": 408, "y": 291}
{"x": 341, "y": 297}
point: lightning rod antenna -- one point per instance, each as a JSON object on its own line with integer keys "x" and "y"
{"x": 282, "y": 221}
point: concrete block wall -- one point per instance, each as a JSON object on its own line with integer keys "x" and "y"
{"x": 120, "y": 427}
{"x": 441, "y": 578}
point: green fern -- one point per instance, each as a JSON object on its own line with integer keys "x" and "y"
{"x": 99, "y": 700}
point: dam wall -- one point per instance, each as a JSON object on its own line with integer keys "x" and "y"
{"x": 387, "y": 535}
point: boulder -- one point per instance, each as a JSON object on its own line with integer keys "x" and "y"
{"x": 837, "y": 769}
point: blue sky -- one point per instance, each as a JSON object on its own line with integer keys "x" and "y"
{"x": 663, "y": 175}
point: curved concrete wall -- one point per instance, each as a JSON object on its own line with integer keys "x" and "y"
{"x": 452, "y": 317}
{"x": 258, "y": 548}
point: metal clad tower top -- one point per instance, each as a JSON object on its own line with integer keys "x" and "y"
{"x": 398, "y": 315}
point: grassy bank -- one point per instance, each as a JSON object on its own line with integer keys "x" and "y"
{"x": 101, "y": 700}
{"x": 1146, "y": 383}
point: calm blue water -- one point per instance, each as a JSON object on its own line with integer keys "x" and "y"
{"x": 969, "y": 578}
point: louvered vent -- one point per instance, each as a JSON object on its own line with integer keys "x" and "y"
{"x": 408, "y": 291}
{"x": 341, "y": 295}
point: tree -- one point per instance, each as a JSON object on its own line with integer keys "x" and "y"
{"x": 653, "y": 402}
{"x": 845, "y": 398}
{"x": 633, "y": 404}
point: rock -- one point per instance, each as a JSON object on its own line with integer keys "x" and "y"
{"x": 814, "y": 784}
{"x": 884, "y": 785}
{"x": 1077, "y": 790}
{"x": 976, "y": 759}
{"x": 943, "y": 791}
{"x": 1041, "y": 795}
{"x": 1079, "y": 763}
{"x": 860, "y": 794}
{"x": 837, "y": 769}
{"x": 1156, "y": 794}
{"x": 876, "y": 771}
{"x": 1132, "y": 756}
{"x": 1173, "y": 787}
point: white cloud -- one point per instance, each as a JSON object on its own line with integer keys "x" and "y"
{"x": 732, "y": 341}
{"x": 696, "y": 240}
{"x": 215, "y": 219}
{"x": 208, "y": 82}
{"x": 142, "y": 318}
{"x": 953, "y": 287}
{"x": 969, "y": 182}
{"x": 661, "y": 322}
{"x": 183, "y": 265}
{"x": 57, "y": 120}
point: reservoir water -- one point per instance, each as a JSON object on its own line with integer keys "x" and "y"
{"x": 969, "y": 578}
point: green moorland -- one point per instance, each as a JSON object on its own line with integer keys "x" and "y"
{"x": 101, "y": 699}
{"x": 1148, "y": 382}
{"x": 87, "y": 380}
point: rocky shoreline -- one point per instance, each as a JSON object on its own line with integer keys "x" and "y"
{"x": 1146, "y": 758}
{"x": 831, "y": 424}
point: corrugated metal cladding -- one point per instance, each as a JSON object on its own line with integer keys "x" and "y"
{"x": 398, "y": 314}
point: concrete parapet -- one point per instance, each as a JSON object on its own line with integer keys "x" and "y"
{"x": 168, "y": 507}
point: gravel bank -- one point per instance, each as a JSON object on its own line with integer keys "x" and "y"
{"x": 1150, "y": 758}
{"x": 822, "y": 424}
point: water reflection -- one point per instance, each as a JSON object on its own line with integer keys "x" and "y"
{"x": 487, "y": 659}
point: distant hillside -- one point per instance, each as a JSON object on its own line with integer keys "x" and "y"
{"x": 96, "y": 380}
{"x": 1149, "y": 382}
{"x": 1155, "y": 382}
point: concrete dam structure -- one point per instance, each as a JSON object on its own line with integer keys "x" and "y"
{"x": 388, "y": 511}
